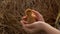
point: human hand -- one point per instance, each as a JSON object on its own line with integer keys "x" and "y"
{"x": 33, "y": 26}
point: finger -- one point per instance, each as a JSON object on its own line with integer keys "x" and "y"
{"x": 23, "y": 22}
{"x": 32, "y": 26}
{"x": 24, "y": 18}
{"x": 38, "y": 15}
{"x": 25, "y": 25}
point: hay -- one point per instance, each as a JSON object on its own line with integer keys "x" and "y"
{"x": 11, "y": 12}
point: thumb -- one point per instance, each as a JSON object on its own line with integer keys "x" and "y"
{"x": 39, "y": 17}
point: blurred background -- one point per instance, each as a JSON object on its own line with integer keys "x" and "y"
{"x": 11, "y": 12}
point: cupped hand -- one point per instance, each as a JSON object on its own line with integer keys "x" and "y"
{"x": 35, "y": 26}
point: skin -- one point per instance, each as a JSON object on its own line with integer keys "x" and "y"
{"x": 38, "y": 25}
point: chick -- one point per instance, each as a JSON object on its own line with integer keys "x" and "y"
{"x": 30, "y": 16}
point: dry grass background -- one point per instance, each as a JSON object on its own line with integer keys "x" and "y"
{"x": 11, "y": 12}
